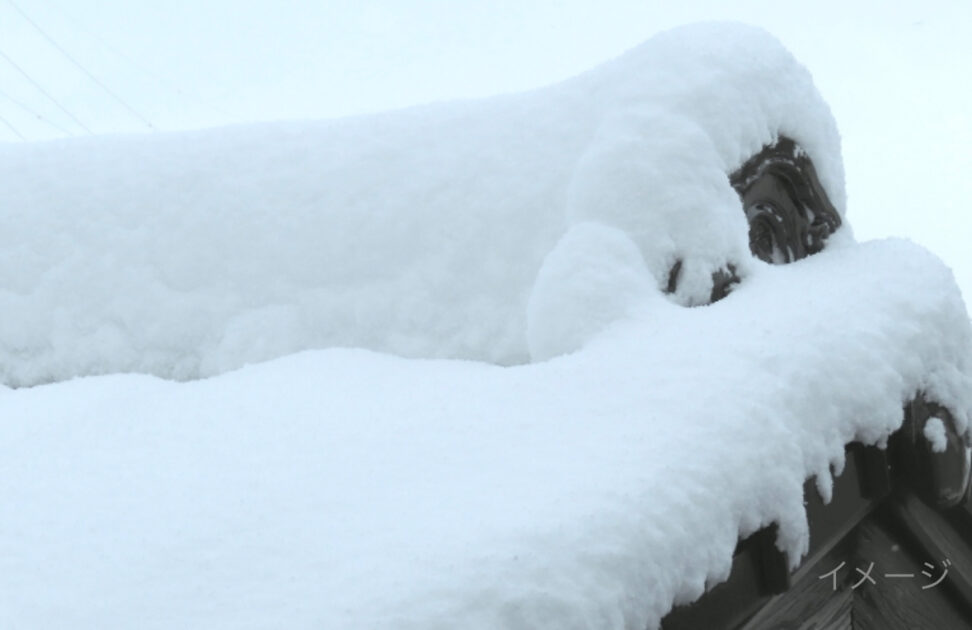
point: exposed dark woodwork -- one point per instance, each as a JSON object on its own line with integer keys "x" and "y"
{"x": 935, "y": 539}
{"x": 722, "y": 282}
{"x": 852, "y": 499}
{"x": 726, "y": 605}
{"x": 888, "y": 507}
{"x": 940, "y": 478}
{"x": 774, "y": 571}
{"x": 673, "y": 277}
{"x": 898, "y": 508}
{"x": 899, "y": 603}
{"x": 789, "y": 213}
{"x": 874, "y": 469}
{"x": 811, "y": 604}
{"x": 757, "y": 563}
{"x": 888, "y": 604}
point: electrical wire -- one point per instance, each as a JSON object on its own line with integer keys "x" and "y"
{"x": 80, "y": 67}
{"x": 41, "y": 89}
{"x": 36, "y": 115}
{"x": 134, "y": 63}
{"x": 12, "y": 128}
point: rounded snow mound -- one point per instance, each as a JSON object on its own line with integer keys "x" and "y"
{"x": 419, "y": 232}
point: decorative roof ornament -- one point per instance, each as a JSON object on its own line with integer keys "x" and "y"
{"x": 789, "y": 213}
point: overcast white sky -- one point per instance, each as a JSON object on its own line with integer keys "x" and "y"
{"x": 895, "y": 73}
{"x": 190, "y": 62}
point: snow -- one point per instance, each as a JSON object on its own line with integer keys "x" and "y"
{"x": 593, "y": 277}
{"x": 197, "y": 66}
{"x": 419, "y": 232}
{"x": 934, "y": 432}
{"x": 558, "y": 444}
{"x": 347, "y": 489}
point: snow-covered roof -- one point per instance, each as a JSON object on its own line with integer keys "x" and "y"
{"x": 419, "y": 232}
{"x": 602, "y": 479}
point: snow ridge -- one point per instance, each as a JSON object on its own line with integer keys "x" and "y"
{"x": 419, "y": 232}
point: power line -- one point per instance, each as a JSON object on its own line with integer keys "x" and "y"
{"x": 12, "y": 128}
{"x": 36, "y": 115}
{"x": 43, "y": 91}
{"x": 141, "y": 67}
{"x": 70, "y": 58}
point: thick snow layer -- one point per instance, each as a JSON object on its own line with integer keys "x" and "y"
{"x": 420, "y": 232}
{"x": 342, "y": 488}
{"x": 346, "y": 489}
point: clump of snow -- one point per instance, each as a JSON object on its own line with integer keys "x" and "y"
{"x": 593, "y": 277}
{"x": 934, "y": 432}
{"x": 420, "y": 232}
{"x": 347, "y": 489}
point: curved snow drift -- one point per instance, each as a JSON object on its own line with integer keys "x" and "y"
{"x": 419, "y": 232}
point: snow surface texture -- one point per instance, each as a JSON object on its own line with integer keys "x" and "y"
{"x": 934, "y": 432}
{"x": 341, "y": 488}
{"x": 346, "y": 489}
{"x": 420, "y": 232}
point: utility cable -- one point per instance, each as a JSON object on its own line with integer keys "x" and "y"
{"x": 43, "y": 91}
{"x": 12, "y": 128}
{"x": 80, "y": 67}
{"x": 36, "y": 115}
{"x": 192, "y": 95}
